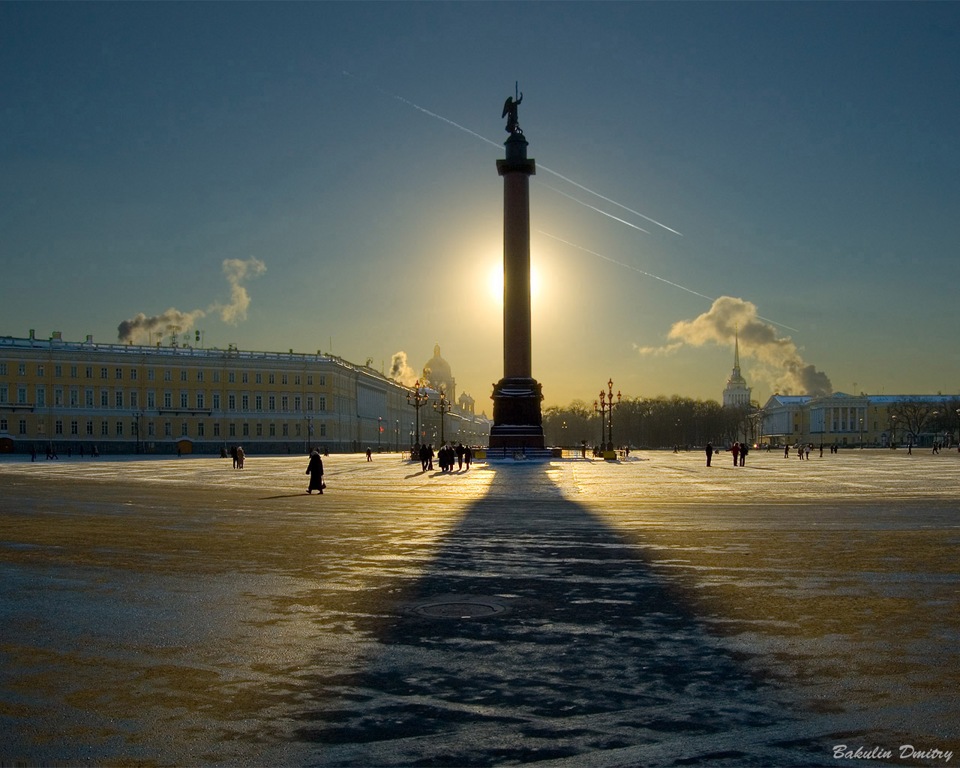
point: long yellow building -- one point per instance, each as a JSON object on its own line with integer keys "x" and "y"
{"x": 89, "y": 397}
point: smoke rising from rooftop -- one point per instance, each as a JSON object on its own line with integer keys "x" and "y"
{"x": 401, "y": 371}
{"x": 236, "y": 272}
{"x": 141, "y": 328}
{"x": 785, "y": 369}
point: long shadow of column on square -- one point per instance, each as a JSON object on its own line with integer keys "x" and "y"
{"x": 536, "y": 632}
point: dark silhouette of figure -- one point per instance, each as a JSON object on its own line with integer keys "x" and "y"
{"x": 315, "y": 470}
{"x": 467, "y": 455}
{"x": 709, "y": 451}
{"x": 510, "y": 112}
{"x": 460, "y": 452}
{"x": 735, "y": 450}
{"x": 744, "y": 449}
{"x": 424, "y": 457}
{"x": 369, "y": 454}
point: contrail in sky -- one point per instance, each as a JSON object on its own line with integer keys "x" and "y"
{"x": 612, "y": 202}
{"x": 428, "y": 112}
{"x": 542, "y": 167}
{"x": 650, "y": 274}
{"x": 615, "y": 218}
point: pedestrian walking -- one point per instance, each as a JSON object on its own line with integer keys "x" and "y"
{"x": 743, "y": 453}
{"x": 460, "y": 450}
{"x": 709, "y": 451}
{"x": 424, "y": 457}
{"x": 467, "y": 455}
{"x": 240, "y": 457}
{"x": 315, "y": 470}
{"x": 735, "y": 450}
{"x": 369, "y": 455}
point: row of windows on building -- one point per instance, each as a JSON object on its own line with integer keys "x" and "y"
{"x": 120, "y": 399}
{"x": 132, "y": 374}
{"x": 122, "y": 428}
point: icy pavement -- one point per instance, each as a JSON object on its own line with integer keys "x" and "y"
{"x": 652, "y": 612}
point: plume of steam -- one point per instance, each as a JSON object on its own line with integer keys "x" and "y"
{"x": 401, "y": 371}
{"x": 730, "y": 317}
{"x": 236, "y": 272}
{"x": 140, "y": 328}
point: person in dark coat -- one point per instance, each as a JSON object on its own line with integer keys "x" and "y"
{"x": 315, "y": 470}
{"x": 709, "y": 452}
{"x": 424, "y": 457}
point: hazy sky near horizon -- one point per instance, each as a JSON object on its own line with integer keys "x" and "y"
{"x": 322, "y": 176}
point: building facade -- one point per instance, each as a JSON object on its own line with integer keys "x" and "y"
{"x": 86, "y": 397}
{"x": 860, "y": 420}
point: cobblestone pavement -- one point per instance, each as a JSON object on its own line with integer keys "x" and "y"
{"x": 650, "y": 612}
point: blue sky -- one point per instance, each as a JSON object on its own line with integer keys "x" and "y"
{"x": 323, "y": 176}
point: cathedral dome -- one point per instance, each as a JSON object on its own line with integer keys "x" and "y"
{"x": 437, "y": 374}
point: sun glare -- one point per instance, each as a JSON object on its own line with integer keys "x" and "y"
{"x": 495, "y": 282}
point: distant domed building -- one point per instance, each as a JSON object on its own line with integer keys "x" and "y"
{"x": 437, "y": 375}
{"x": 737, "y": 393}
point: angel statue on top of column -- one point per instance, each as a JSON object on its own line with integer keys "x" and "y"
{"x": 510, "y": 112}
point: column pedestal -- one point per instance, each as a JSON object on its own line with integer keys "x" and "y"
{"x": 517, "y": 422}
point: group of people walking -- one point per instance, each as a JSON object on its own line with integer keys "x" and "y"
{"x": 738, "y": 450}
{"x": 446, "y": 456}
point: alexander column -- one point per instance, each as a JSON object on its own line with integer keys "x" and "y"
{"x": 517, "y": 422}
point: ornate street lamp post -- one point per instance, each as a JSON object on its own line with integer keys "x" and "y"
{"x": 442, "y": 406}
{"x": 606, "y": 410}
{"x": 417, "y": 398}
{"x": 602, "y": 410}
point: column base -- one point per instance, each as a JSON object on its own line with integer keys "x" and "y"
{"x": 517, "y": 421}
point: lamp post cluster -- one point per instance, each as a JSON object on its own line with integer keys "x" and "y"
{"x": 442, "y": 406}
{"x": 605, "y": 409}
{"x": 417, "y": 398}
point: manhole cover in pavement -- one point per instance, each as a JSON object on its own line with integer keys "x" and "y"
{"x": 460, "y": 608}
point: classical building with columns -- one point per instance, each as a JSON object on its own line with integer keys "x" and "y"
{"x": 858, "y": 420}
{"x": 122, "y": 398}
